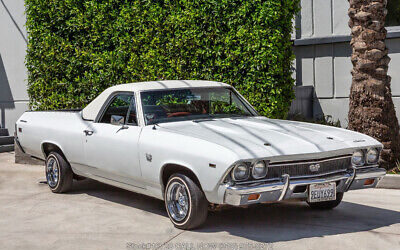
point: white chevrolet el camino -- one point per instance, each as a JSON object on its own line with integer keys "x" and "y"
{"x": 196, "y": 143}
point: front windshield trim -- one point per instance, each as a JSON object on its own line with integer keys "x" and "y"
{"x": 242, "y": 100}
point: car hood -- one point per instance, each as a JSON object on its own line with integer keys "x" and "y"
{"x": 258, "y": 137}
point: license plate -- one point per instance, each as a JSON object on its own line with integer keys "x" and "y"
{"x": 322, "y": 192}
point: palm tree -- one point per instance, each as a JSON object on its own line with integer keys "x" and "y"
{"x": 371, "y": 106}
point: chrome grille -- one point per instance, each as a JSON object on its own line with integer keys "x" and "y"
{"x": 303, "y": 168}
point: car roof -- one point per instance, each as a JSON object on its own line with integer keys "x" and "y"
{"x": 170, "y": 84}
{"x": 90, "y": 111}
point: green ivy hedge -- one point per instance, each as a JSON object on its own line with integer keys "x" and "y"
{"x": 79, "y": 48}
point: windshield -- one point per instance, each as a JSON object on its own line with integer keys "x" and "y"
{"x": 190, "y": 104}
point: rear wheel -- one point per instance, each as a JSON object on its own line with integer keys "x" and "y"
{"x": 58, "y": 173}
{"x": 325, "y": 205}
{"x": 185, "y": 202}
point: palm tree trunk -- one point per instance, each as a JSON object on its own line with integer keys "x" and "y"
{"x": 371, "y": 106}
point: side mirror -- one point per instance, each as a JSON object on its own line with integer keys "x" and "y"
{"x": 117, "y": 120}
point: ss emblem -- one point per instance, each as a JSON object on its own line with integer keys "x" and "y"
{"x": 314, "y": 167}
{"x": 149, "y": 157}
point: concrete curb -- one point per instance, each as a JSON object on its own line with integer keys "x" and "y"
{"x": 390, "y": 181}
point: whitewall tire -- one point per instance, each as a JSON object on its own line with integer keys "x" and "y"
{"x": 185, "y": 202}
{"x": 58, "y": 173}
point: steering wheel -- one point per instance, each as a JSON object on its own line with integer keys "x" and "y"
{"x": 178, "y": 114}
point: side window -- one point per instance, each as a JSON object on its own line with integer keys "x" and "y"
{"x": 117, "y": 110}
{"x": 132, "y": 118}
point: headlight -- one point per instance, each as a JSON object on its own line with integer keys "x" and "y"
{"x": 372, "y": 156}
{"x": 259, "y": 170}
{"x": 240, "y": 172}
{"x": 358, "y": 158}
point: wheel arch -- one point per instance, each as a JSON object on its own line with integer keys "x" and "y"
{"x": 169, "y": 169}
{"x": 48, "y": 147}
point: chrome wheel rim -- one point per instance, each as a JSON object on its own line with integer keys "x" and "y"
{"x": 52, "y": 172}
{"x": 177, "y": 201}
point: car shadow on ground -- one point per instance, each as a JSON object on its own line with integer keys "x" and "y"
{"x": 295, "y": 220}
{"x": 264, "y": 222}
{"x": 118, "y": 195}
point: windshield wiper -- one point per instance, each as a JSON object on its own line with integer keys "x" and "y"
{"x": 203, "y": 120}
{"x": 239, "y": 116}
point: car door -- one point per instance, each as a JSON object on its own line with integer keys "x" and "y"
{"x": 111, "y": 141}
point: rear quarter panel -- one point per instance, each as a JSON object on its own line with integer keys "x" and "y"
{"x": 64, "y": 129}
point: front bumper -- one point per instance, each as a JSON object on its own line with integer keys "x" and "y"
{"x": 288, "y": 188}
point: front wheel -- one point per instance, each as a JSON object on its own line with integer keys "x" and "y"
{"x": 185, "y": 202}
{"x": 325, "y": 205}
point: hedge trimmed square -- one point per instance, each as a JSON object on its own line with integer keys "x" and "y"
{"x": 79, "y": 48}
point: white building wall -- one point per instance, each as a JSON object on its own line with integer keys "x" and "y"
{"x": 13, "y": 74}
{"x": 323, "y": 53}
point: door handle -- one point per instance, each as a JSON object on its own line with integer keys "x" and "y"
{"x": 88, "y": 132}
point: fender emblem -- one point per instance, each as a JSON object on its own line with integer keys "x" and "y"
{"x": 149, "y": 157}
{"x": 314, "y": 167}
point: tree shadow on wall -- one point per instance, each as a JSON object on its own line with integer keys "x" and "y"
{"x": 6, "y": 98}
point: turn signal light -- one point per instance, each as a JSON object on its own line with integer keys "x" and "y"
{"x": 369, "y": 182}
{"x": 253, "y": 197}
